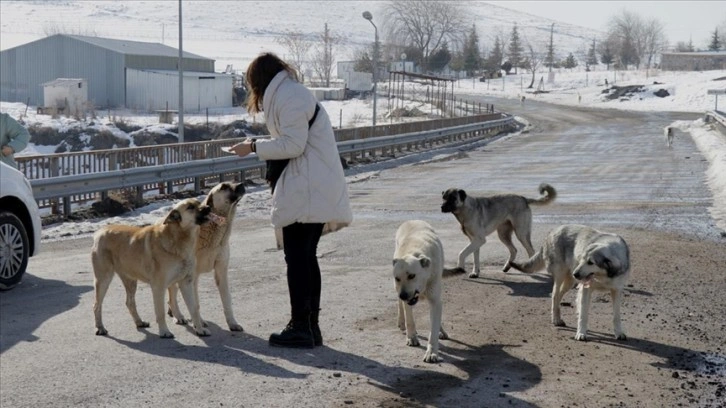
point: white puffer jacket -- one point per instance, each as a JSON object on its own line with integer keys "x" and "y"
{"x": 312, "y": 188}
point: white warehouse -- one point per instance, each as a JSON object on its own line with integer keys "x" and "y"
{"x": 118, "y": 73}
{"x": 153, "y": 90}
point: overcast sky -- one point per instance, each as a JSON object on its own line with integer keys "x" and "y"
{"x": 682, "y": 19}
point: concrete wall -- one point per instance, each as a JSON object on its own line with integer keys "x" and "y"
{"x": 70, "y": 94}
{"x": 693, "y": 61}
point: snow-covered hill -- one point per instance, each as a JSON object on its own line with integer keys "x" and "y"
{"x": 234, "y": 32}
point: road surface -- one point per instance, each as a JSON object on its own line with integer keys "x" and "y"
{"x": 612, "y": 171}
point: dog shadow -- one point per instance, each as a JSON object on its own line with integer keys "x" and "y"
{"x": 46, "y": 297}
{"x": 542, "y": 287}
{"x": 672, "y": 357}
{"x": 485, "y": 364}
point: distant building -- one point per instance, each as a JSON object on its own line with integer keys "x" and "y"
{"x": 69, "y": 95}
{"x": 693, "y": 61}
{"x": 119, "y": 73}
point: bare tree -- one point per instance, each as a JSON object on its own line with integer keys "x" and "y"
{"x": 56, "y": 28}
{"x": 297, "y": 47}
{"x": 625, "y": 32}
{"x": 654, "y": 41}
{"x": 532, "y": 62}
{"x": 423, "y": 24}
{"x": 324, "y": 55}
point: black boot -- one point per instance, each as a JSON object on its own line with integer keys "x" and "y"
{"x": 317, "y": 335}
{"x": 297, "y": 334}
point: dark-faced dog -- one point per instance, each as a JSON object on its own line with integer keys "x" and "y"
{"x": 505, "y": 213}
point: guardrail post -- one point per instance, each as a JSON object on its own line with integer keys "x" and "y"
{"x": 67, "y": 206}
{"x": 54, "y": 172}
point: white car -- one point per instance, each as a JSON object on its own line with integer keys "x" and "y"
{"x": 20, "y": 226}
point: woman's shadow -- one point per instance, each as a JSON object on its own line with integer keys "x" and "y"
{"x": 482, "y": 363}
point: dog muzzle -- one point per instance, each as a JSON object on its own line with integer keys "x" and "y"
{"x": 410, "y": 301}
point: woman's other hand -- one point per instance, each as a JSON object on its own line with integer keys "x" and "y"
{"x": 242, "y": 149}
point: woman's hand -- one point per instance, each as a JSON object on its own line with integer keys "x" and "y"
{"x": 242, "y": 149}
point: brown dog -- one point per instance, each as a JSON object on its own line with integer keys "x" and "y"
{"x": 160, "y": 255}
{"x": 212, "y": 249}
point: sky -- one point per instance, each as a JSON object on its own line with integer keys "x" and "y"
{"x": 682, "y": 19}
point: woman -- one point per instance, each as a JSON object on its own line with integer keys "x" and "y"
{"x": 310, "y": 193}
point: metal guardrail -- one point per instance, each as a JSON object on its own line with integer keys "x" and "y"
{"x": 63, "y": 187}
{"x": 719, "y": 117}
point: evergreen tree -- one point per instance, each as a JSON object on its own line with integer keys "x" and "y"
{"x": 570, "y": 62}
{"x": 515, "y": 49}
{"x": 494, "y": 62}
{"x": 591, "y": 55}
{"x": 439, "y": 59}
{"x": 472, "y": 57}
{"x": 606, "y": 57}
{"x": 715, "y": 44}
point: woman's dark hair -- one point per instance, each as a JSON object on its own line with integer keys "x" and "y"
{"x": 259, "y": 75}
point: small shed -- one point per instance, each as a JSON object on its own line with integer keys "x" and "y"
{"x": 66, "y": 95}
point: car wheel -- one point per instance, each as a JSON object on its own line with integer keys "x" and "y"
{"x": 14, "y": 250}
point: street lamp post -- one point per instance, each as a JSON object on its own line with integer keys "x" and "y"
{"x": 368, "y": 16}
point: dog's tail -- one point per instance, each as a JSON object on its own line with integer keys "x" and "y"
{"x": 533, "y": 264}
{"x": 548, "y": 195}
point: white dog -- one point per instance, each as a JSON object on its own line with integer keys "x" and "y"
{"x": 597, "y": 260}
{"x": 668, "y": 133}
{"x": 418, "y": 265}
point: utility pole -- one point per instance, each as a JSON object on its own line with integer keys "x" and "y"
{"x": 181, "y": 79}
{"x": 552, "y": 49}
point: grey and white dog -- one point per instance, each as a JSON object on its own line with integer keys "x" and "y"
{"x": 505, "y": 213}
{"x": 595, "y": 259}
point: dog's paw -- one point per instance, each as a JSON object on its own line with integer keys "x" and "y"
{"x": 431, "y": 357}
{"x": 165, "y": 334}
{"x": 412, "y": 341}
{"x": 581, "y": 337}
{"x": 474, "y": 275}
{"x": 142, "y": 325}
{"x": 182, "y": 321}
{"x": 402, "y": 325}
{"x": 559, "y": 322}
{"x": 234, "y": 326}
{"x": 621, "y": 336}
{"x": 202, "y": 332}
{"x": 443, "y": 335}
{"x": 101, "y": 331}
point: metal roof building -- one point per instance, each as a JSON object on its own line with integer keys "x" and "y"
{"x": 105, "y": 63}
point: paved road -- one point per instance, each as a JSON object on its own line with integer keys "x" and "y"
{"x": 612, "y": 170}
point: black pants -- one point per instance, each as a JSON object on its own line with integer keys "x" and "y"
{"x": 303, "y": 272}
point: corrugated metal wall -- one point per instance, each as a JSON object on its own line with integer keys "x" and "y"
{"x": 168, "y": 63}
{"x": 24, "y": 68}
{"x": 152, "y": 90}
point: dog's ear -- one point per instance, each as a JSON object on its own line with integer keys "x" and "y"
{"x": 462, "y": 195}
{"x": 425, "y": 261}
{"x": 395, "y": 261}
{"x": 612, "y": 267}
{"x": 174, "y": 216}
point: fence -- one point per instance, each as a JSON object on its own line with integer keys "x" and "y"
{"x": 69, "y": 178}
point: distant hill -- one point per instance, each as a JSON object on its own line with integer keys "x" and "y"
{"x": 234, "y": 32}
